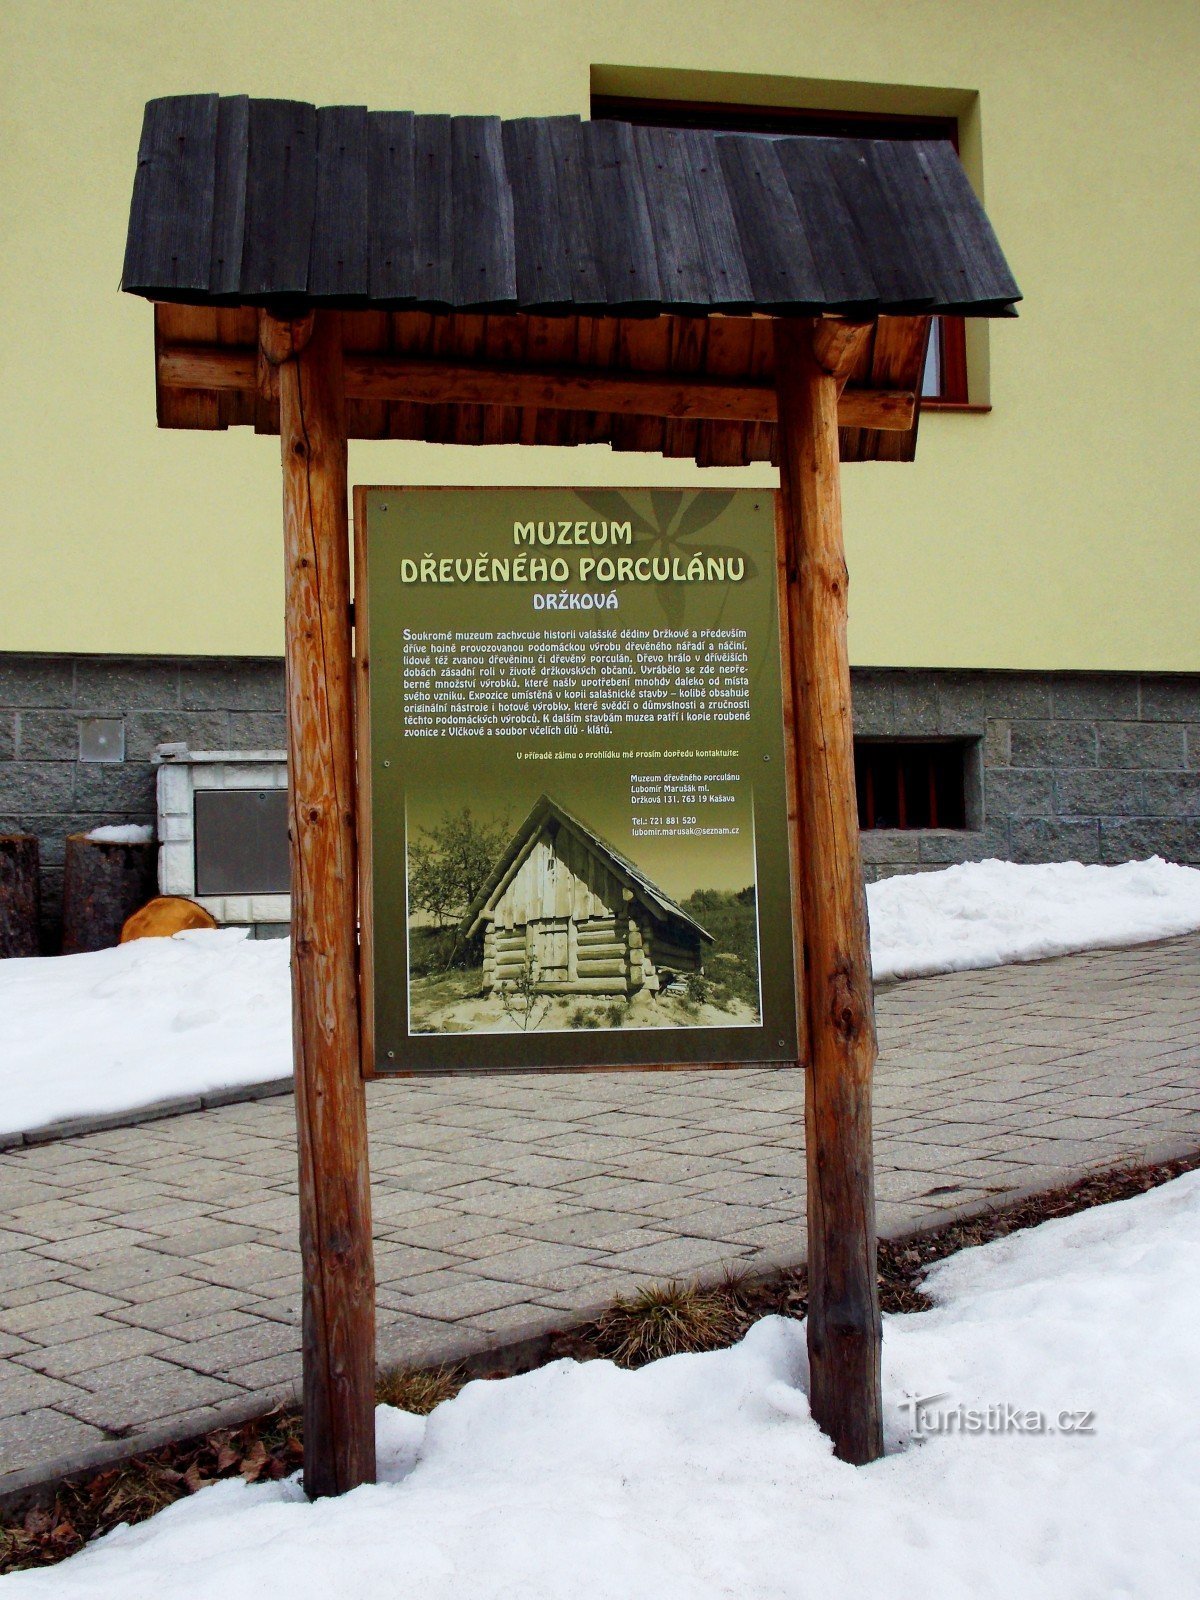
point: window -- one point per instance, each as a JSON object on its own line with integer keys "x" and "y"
{"x": 911, "y": 783}
{"x": 945, "y": 378}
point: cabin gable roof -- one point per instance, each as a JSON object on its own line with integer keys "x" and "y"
{"x": 655, "y": 900}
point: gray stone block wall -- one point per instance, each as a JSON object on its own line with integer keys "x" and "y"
{"x": 213, "y": 704}
{"x": 1093, "y": 767}
{"x": 1080, "y": 766}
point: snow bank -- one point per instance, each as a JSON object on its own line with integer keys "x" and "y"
{"x": 990, "y": 912}
{"x": 704, "y": 1476}
{"x": 155, "y": 1018}
{"x": 208, "y": 1010}
{"x": 122, "y": 833}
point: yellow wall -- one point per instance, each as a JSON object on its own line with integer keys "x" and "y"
{"x": 1058, "y": 531}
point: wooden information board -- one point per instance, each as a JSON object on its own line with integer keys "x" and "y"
{"x": 573, "y": 816}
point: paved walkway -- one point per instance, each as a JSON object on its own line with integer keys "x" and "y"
{"x": 149, "y": 1275}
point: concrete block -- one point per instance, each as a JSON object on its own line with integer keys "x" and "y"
{"x": 916, "y": 705}
{"x": 175, "y": 790}
{"x": 1086, "y": 697}
{"x": 270, "y": 908}
{"x": 884, "y": 846}
{"x": 47, "y": 736}
{"x": 964, "y": 701}
{"x": 1053, "y": 744}
{"x": 233, "y": 685}
{"x": 128, "y": 787}
{"x": 997, "y": 743}
{"x": 36, "y": 681}
{"x": 246, "y": 775}
{"x": 1098, "y": 793}
{"x": 1054, "y": 839}
{"x": 1147, "y": 746}
{"x": 1192, "y": 844}
{"x": 975, "y": 696}
{"x": 237, "y": 908}
{"x": 1018, "y": 794}
{"x": 107, "y": 686}
{"x": 199, "y": 730}
{"x": 942, "y": 847}
{"x": 1175, "y": 699}
{"x": 257, "y": 730}
{"x": 872, "y": 702}
{"x": 1136, "y": 838}
{"x": 8, "y": 735}
{"x": 1192, "y": 738}
{"x": 176, "y": 869}
{"x": 1171, "y": 794}
{"x": 33, "y": 787}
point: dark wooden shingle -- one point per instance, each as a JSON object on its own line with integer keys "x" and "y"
{"x": 281, "y": 195}
{"x": 340, "y": 264}
{"x": 433, "y": 216}
{"x": 485, "y": 263}
{"x": 171, "y": 219}
{"x": 390, "y": 207}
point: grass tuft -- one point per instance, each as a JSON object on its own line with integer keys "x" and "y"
{"x": 663, "y": 1320}
{"x": 410, "y": 1389}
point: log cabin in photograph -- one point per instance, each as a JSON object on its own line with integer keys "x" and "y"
{"x": 566, "y": 907}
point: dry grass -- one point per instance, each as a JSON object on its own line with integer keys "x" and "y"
{"x": 656, "y": 1322}
{"x": 418, "y": 1391}
{"x": 664, "y": 1320}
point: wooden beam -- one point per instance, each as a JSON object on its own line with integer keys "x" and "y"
{"x": 844, "y": 1334}
{"x": 380, "y": 378}
{"x": 837, "y": 345}
{"x": 331, "y": 1120}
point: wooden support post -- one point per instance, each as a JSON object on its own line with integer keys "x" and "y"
{"x": 331, "y": 1119}
{"x": 844, "y": 1334}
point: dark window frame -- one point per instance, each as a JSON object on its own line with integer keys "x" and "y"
{"x": 953, "y": 391}
{"x": 914, "y": 784}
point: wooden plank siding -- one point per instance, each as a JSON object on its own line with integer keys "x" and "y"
{"x": 566, "y": 907}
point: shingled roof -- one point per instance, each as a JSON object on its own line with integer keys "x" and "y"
{"x": 258, "y": 202}
{"x": 545, "y": 809}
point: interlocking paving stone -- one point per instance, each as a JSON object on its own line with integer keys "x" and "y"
{"x": 150, "y": 1275}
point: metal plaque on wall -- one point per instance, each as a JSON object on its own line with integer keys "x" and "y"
{"x": 574, "y": 811}
{"x": 242, "y": 841}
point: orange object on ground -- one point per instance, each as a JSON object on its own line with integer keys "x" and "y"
{"x": 164, "y": 915}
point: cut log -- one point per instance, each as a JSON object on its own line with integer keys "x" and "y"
{"x": 20, "y": 895}
{"x": 165, "y": 915}
{"x": 104, "y": 884}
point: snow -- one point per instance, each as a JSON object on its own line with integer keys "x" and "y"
{"x": 145, "y": 1021}
{"x": 207, "y": 1010}
{"x": 987, "y": 913}
{"x": 704, "y": 1476}
{"x": 122, "y": 833}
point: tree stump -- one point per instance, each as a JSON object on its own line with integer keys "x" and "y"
{"x": 20, "y": 895}
{"x": 105, "y": 882}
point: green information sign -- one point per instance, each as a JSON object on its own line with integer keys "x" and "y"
{"x": 578, "y": 844}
